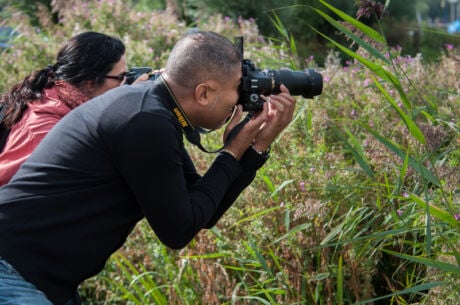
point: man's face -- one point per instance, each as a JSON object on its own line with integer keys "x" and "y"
{"x": 223, "y": 98}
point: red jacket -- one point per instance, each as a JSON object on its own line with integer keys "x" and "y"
{"x": 37, "y": 120}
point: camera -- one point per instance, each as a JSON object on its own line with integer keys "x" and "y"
{"x": 256, "y": 82}
{"x": 135, "y": 72}
{"x": 307, "y": 83}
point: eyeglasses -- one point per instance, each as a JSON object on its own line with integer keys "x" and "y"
{"x": 119, "y": 78}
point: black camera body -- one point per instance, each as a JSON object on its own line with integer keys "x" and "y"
{"x": 256, "y": 82}
{"x": 135, "y": 72}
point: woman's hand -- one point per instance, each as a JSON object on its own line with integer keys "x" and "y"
{"x": 141, "y": 78}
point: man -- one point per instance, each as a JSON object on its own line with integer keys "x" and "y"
{"x": 119, "y": 158}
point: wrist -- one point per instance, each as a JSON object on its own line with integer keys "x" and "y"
{"x": 261, "y": 151}
{"x": 230, "y": 153}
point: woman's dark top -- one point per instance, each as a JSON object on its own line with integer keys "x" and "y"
{"x": 105, "y": 166}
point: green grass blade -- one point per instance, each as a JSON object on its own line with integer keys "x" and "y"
{"x": 455, "y": 252}
{"x": 340, "y": 282}
{"x": 268, "y": 182}
{"x": 417, "y": 166}
{"x": 259, "y": 257}
{"x": 255, "y": 216}
{"x": 279, "y": 188}
{"x": 295, "y": 230}
{"x": 370, "y": 32}
{"x": 376, "y": 236}
{"x": 443, "y": 266}
{"x": 357, "y": 152}
{"x": 278, "y": 24}
{"x": 436, "y": 211}
{"x": 377, "y": 69}
{"x": 415, "y": 289}
{"x": 373, "y": 51}
{"x": 413, "y": 129}
{"x": 402, "y": 172}
{"x": 206, "y": 256}
{"x": 129, "y": 272}
{"x": 251, "y": 299}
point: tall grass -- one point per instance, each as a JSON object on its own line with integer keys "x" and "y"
{"x": 358, "y": 204}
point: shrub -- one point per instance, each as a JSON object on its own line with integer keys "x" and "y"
{"x": 359, "y": 202}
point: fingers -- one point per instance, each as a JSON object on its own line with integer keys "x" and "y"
{"x": 284, "y": 89}
{"x": 240, "y": 142}
{"x": 141, "y": 78}
{"x": 265, "y": 125}
{"x": 283, "y": 104}
{"x": 282, "y": 108}
{"x": 159, "y": 70}
{"x": 260, "y": 117}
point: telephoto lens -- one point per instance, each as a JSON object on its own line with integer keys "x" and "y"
{"x": 255, "y": 82}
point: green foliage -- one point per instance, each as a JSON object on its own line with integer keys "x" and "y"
{"x": 147, "y": 5}
{"x": 29, "y": 7}
{"x": 359, "y": 202}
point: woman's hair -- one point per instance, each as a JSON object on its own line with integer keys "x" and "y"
{"x": 88, "y": 56}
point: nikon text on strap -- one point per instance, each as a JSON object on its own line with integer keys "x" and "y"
{"x": 191, "y": 133}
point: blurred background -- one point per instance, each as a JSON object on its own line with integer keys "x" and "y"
{"x": 414, "y": 25}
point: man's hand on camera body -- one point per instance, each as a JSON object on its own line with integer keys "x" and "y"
{"x": 247, "y": 134}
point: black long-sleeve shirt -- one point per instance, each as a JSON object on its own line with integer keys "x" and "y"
{"x": 109, "y": 163}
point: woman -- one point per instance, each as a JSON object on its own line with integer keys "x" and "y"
{"x": 88, "y": 65}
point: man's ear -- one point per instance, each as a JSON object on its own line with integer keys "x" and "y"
{"x": 202, "y": 94}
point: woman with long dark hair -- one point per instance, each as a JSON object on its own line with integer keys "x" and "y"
{"x": 86, "y": 66}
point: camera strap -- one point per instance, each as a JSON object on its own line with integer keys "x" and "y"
{"x": 191, "y": 133}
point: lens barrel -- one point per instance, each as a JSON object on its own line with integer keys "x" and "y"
{"x": 306, "y": 83}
